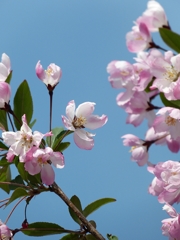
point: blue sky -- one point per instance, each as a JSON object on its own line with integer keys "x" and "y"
{"x": 82, "y": 37}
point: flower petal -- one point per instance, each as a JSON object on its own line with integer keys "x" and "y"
{"x": 85, "y": 109}
{"x": 95, "y": 121}
{"x": 47, "y": 174}
{"x": 70, "y": 110}
{"x": 83, "y": 143}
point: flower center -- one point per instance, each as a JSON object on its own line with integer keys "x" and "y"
{"x": 79, "y": 122}
{"x": 171, "y": 74}
{"x": 26, "y": 141}
{"x": 49, "y": 71}
{"x": 133, "y": 147}
{"x": 170, "y": 121}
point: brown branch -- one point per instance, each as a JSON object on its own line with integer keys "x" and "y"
{"x": 57, "y": 190}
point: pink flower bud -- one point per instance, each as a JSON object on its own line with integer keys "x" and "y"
{"x": 5, "y": 93}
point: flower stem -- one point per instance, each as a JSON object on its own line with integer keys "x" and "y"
{"x": 11, "y": 122}
{"x": 50, "y": 122}
{"x": 57, "y": 190}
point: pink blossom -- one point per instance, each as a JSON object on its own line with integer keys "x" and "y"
{"x": 5, "y": 67}
{"x": 154, "y": 17}
{"x": 5, "y": 233}
{"x": 38, "y": 160}
{"x": 168, "y": 120}
{"x": 138, "y": 39}
{"x": 22, "y": 141}
{"x": 166, "y": 184}
{"x": 80, "y": 118}
{"x": 166, "y": 73}
{"x": 171, "y": 226}
{"x": 5, "y": 94}
{"x": 51, "y": 76}
{"x": 138, "y": 148}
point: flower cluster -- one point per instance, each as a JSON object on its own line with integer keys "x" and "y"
{"x": 152, "y": 74}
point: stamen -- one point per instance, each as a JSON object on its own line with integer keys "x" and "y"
{"x": 171, "y": 74}
{"x": 170, "y": 121}
{"x": 79, "y": 122}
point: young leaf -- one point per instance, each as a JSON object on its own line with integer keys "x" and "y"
{"x": 56, "y": 132}
{"x": 90, "y": 237}
{"x": 23, "y": 103}
{"x": 5, "y": 176}
{"x": 18, "y": 192}
{"x": 39, "y": 229}
{"x": 167, "y": 103}
{"x": 22, "y": 171}
{"x": 4, "y": 162}
{"x": 8, "y": 79}
{"x": 62, "y": 146}
{"x": 3, "y": 119}
{"x": 76, "y": 201}
{"x": 97, "y": 204}
{"x": 18, "y": 179}
{"x": 171, "y": 38}
{"x": 111, "y": 237}
{"x": 32, "y": 123}
{"x": 70, "y": 236}
{"x": 3, "y": 146}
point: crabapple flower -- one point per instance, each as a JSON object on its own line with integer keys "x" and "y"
{"x": 154, "y": 17}
{"x": 168, "y": 120}
{"x": 5, "y": 233}
{"x": 80, "y": 118}
{"x": 171, "y": 226}
{"x": 5, "y": 93}
{"x": 37, "y": 160}
{"x": 138, "y": 39}
{"x": 51, "y": 76}
{"x": 5, "y": 67}
{"x": 22, "y": 141}
{"x": 166, "y": 184}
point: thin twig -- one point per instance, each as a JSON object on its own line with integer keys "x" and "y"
{"x": 87, "y": 225}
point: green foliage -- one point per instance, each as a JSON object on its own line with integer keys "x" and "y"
{"x": 18, "y": 192}
{"x": 18, "y": 179}
{"x": 167, "y": 103}
{"x": 5, "y": 176}
{"x": 23, "y": 104}
{"x": 171, "y": 38}
{"x": 3, "y": 146}
{"x": 76, "y": 201}
{"x": 62, "y": 146}
{"x": 8, "y": 79}
{"x": 32, "y": 123}
{"x": 39, "y": 229}
{"x": 97, "y": 204}
{"x": 56, "y": 132}
{"x": 70, "y": 237}
{"x": 3, "y": 120}
{"x": 111, "y": 237}
{"x": 4, "y": 162}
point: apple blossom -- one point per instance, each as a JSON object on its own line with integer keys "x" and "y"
{"x": 139, "y": 38}
{"x": 5, "y": 93}
{"x": 171, "y": 226}
{"x": 154, "y": 17}
{"x": 5, "y": 67}
{"x": 51, "y": 76}
{"x": 5, "y": 233}
{"x": 166, "y": 184}
{"x": 38, "y": 160}
{"x": 22, "y": 141}
{"x": 80, "y": 118}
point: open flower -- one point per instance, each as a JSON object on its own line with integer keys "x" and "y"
{"x": 5, "y": 67}
{"x": 5, "y": 233}
{"x": 22, "y": 141}
{"x": 80, "y": 118}
{"x": 51, "y": 76}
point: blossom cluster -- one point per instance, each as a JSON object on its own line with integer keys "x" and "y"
{"x": 153, "y": 74}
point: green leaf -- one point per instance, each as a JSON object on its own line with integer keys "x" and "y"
{"x": 76, "y": 201}
{"x": 167, "y": 103}
{"x": 18, "y": 192}
{"x": 97, "y": 204}
{"x": 23, "y": 103}
{"x": 32, "y": 123}
{"x": 111, "y": 237}
{"x": 35, "y": 179}
{"x": 3, "y": 120}
{"x": 5, "y": 176}
{"x": 62, "y": 146}
{"x": 56, "y": 132}
{"x": 171, "y": 38}
{"x": 70, "y": 236}
{"x": 22, "y": 171}
{"x": 93, "y": 223}
{"x": 18, "y": 179}
{"x": 90, "y": 237}
{"x": 3, "y": 146}
{"x": 4, "y": 162}
{"x": 39, "y": 229}
{"x": 8, "y": 79}
{"x": 59, "y": 139}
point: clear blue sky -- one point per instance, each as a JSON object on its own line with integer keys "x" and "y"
{"x": 82, "y": 37}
